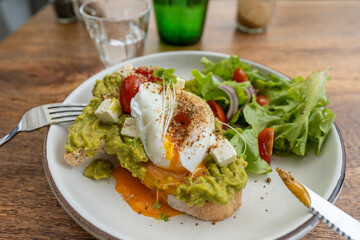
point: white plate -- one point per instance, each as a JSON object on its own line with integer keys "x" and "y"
{"x": 269, "y": 211}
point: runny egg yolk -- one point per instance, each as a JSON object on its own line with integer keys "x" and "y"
{"x": 140, "y": 198}
{"x": 158, "y": 183}
{"x": 172, "y": 154}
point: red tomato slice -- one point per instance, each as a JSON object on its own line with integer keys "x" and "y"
{"x": 129, "y": 88}
{"x": 265, "y": 142}
{"x": 217, "y": 110}
{"x": 262, "y": 100}
{"x": 239, "y": 75}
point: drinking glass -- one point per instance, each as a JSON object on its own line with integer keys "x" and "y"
{"x": 117, "y": 27}
{"x": 76, "y": 6}
{"x": 180, "y": 22}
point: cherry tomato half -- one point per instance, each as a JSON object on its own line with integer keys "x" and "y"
{"x": 239, "y": 75}
{"x": 262, "y": 100}
{"x": 265, "y": 142}
{"x": 129, "y": 88}
{"x": 217, "y": 110}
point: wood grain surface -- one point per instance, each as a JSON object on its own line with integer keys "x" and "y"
{"x": 42, "y": 62}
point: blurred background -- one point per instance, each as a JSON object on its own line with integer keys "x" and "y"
{"x": 14, "y": 13}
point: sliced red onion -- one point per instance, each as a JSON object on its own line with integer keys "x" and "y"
{"x": 234, "y": 100}
{"x": 253, "y": 90}
{"x": 250, "y": 91}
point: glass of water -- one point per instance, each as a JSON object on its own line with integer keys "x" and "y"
{"x": 117, "y": 27}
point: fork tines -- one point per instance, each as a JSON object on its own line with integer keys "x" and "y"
{"x": 64, "y": 112}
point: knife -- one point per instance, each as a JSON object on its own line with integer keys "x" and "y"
{"x": 335, "y": 218}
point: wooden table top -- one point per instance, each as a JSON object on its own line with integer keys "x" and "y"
{"x": 43, "y": 62}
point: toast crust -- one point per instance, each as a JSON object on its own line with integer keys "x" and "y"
{"x": 76, "y": 158}
{"x": 210, "y": 211}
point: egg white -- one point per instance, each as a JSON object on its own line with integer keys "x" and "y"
{"x": 147, "y": 107}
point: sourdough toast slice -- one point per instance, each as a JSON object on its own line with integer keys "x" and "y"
{"x": 76, "y": 158}
{"x": 210, "y": 211}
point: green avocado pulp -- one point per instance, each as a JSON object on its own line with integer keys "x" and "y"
{"x": 98, "y": 168}
{"x": 88, "y": 134}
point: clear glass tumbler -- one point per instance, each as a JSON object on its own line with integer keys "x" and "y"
{"x": 76, "y": 6}
{"x": 253, "y": 16}
{"x": 117, "y": 27}
{"x": 180, "y": 22}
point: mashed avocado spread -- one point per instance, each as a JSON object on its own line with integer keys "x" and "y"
{"x": 88, "y": 134}
{"x": 99, "y": 168}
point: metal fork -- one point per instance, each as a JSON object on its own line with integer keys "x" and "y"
{"x": 45, "y": 115}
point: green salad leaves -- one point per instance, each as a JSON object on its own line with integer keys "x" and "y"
{"x": 252, "y": 157}
{"x": 296, "y": 108}
{"x": 298, "y": 118}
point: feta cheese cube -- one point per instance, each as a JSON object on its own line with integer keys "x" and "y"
{"x": 130, "y": 128}
{"x": 223, "y": 153}
{"x": 109, "y": 110}
{"x": 180, "y": 83}
{"x": 127, "y": 70}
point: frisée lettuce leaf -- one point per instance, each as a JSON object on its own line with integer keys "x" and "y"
{"x": 296, "y": 108}
{"x": 251, "y": 154}
{"x": 207, "y": 88}
{"x": 300, "y": 119}
{"x": 226, "y": 67}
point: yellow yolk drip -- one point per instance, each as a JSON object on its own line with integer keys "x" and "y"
{"x": 140, "y": 198}
{"x": 200, "y": 170}
{"x": 169, "y": 148}
{"x": 157, "y": 184}
{"x": 172, "y": 155}
{"x": 295, "y": 187}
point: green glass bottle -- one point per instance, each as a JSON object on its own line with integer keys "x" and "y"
{"x": 180, "y": 22}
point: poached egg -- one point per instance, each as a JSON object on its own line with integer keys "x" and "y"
{"x": 175, "y": 126}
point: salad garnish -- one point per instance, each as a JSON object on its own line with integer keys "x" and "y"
{"x": 294, "y": 110}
